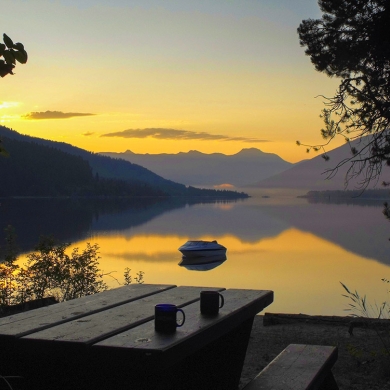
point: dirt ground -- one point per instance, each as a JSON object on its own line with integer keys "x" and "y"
{"x": 362, "y": 361}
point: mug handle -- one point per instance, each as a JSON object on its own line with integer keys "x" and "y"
{"x": 184, "y": 318}
{"x": 222, "y": 300}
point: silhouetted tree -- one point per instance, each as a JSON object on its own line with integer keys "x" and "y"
{"x": 10, "y": 53}
{"x": 352, "y": 42}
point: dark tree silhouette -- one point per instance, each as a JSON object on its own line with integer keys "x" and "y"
{"x": 352, "y": 42}
{"x": 11, "y": 52}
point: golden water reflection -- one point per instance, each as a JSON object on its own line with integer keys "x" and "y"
{"x": 303, "y": 270}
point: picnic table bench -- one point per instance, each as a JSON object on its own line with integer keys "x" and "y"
{"x": 108, "y": 341}
{"x": 298, "y": 367}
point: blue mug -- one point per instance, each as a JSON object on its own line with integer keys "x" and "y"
{"x": 165, "y": 317}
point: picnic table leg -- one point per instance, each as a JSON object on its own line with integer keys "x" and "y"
{"x": 219, "y": 365}
{"x": 329, "y": 383}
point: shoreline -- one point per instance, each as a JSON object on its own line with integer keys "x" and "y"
{"x": 350, "y": 321}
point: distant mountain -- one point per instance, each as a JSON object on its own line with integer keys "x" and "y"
{"x": 199, "y": 169}
{"x": 311, "y": 174}
{"x": 56, "y": 168}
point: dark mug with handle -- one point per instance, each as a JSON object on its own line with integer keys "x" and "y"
{"x": 165, "y": 317}
{"x": 211, "y": 302}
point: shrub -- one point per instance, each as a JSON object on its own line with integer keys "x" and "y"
{"x": 51, "y": 271}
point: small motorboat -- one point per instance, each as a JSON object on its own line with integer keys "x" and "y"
{"x": 202, "y": 249}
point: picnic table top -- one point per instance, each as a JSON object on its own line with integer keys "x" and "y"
{"x": 119, "y": 324}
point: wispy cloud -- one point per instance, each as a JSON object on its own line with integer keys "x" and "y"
{"x": 36, "y": 115}
{"x": 8, "y": 104}
{"x": 88, "y": 133}
{"x": 178, "y": 135}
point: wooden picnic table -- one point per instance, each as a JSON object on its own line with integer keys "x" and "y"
{"x": 108, "y": 341}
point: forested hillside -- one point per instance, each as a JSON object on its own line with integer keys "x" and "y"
{"x": 104, "y": 167}
{"x": 37, "y": 170}
{"x": 38, "y": 167}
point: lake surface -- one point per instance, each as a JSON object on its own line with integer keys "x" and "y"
{"x": 300, "y": 250}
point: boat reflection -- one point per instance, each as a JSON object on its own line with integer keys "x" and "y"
{"x": 202, "y": 263}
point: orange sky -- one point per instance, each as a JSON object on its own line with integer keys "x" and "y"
{"x": 165, "y": 77}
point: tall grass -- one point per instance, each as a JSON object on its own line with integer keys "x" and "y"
{"x": 360, "y": 308}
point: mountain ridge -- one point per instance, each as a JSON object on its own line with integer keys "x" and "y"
{"x": 195, "y": 168}
{"x": 103, "y": 167}
{"x": 314, "y": 174}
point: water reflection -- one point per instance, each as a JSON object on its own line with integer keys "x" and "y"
{"x": 298, "y": 249}
{"x": 70, "y": 220}
{"x": 202, "y": 263}
{"x": 359, "y": 227}
{"x": 304, "y": 270}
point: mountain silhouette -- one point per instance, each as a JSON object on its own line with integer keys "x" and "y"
{"x": 116, "y": 175}
{"x": 103, "y": 166}
{"x": 314, "y": 174}
{"x": 199, "y": 169}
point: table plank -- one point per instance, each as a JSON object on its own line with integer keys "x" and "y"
{"x": 98, "y": 326}
{"x": 25, "y": 323}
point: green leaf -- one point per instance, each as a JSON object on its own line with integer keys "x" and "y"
{"x": 5, "y": 69}
{"x": 21, "y": 56}
{"x": 19, "y": 46}
{"x": 8, "y": 41}
{"x": 2, "y": 48}
{"x": 9, "y": 57}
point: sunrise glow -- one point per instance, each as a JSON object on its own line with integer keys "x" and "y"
{"x": 231, "y": 72}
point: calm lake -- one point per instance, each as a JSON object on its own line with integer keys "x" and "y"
{"x": 300, "y": 250}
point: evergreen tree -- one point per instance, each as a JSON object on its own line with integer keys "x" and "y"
{"x": 352, "y": 42}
